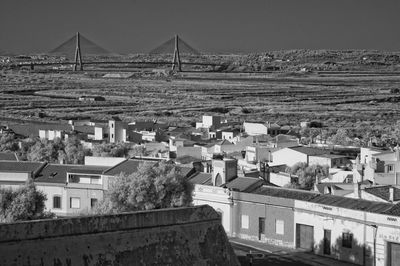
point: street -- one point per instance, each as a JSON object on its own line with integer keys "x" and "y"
{"x": 265, "y": 258}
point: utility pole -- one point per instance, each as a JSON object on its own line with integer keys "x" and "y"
{"x": 78, "y": 54}
{"x": 177, "y": 59}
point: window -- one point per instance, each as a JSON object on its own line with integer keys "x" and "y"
{"x": 112, "y": 136}
{"x": 347, "y": 240}
{"x": 74, "y": 203}
{"x": 390, "y": 168}
{"x": 56, "y": 202}
{"x": 93, "y": 202}
{"x": 279, "y": 227}
{"x": 245, "y": 222}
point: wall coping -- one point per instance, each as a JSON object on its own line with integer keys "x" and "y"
{"x": 38, "y": 229}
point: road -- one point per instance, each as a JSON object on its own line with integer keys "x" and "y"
{"x": 265, "y": 258}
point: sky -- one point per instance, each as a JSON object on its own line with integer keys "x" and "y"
{"x": 210, "y": 26}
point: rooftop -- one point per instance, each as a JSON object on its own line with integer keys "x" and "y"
{"x": 128, "y": 166}
{"x": 383, "y": 192}
{"x": 245, "y": 184}
{"x": 331, "y": 200}
{"x": 309, "y": 151}
{"x": 201, "y": 179}
{"x": 57, "y": 173}
{"x": 8, "y": 156}
{"x": 13, "y": 166}
{"x": 32, "y": 129}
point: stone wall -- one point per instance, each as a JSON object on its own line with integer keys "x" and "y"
{"x": 181, "y": 236}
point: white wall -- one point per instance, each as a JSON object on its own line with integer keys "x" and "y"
{"x": 254, "y": 129}
{"x": 288, "y": 156}
{"x": 218, "y": 198}
{"x": 14, "y": 176}
{"x": 50, "y": 191}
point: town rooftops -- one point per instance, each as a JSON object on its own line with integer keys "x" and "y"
{"x": 223, "y": 142}
{"x": 201, "y": 179}
{"x": 309, "y": 151}
{"x": 8, "y": 156}
{"x": 383, "y": 192}
{"x": 330, "y": 200}
{"x": 285, "y": 193}
{"x": 330, "y": 156}
{"x": 245, "y": 184}
{"x": 13, "y": 166}
{"x": 128, "y": 166}
{"x": 85, "y": 129}
{"x": 57, "y": 173}
{"x": 32, "y": 129}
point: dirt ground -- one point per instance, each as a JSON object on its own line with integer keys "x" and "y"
{"x": 334, "y": 98}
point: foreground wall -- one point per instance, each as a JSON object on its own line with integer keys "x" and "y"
{"x": 182, "y": 236}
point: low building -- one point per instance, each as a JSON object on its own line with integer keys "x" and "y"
{"x": 293, "y": 155}
{"x": 71, "y": 189}
{"x": 13, "y": 174}
{"x": 51, "y": 134}
{"x": 92, "y": 99}
{"x": 332, "y": 160}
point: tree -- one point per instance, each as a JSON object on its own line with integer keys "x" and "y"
{"x": 8, "y": 142}
{"x": 74, "y": 152}
{"x": 46, "y": 150}
{"x": 341, "y": 137}
{"x": 307, "y": 174}
{"x": 25, "y": 203}
{"x": 118, "y": 150}
{"x": 151, "y": 187}
{"x": 25, "y": 146}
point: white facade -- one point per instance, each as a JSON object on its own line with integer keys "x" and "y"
{"x": 209, "y": 121}
{"x": 289, "y": 157}
{"x": 50, "y": 134}
{"x": 371, "y": 232}
{"x": 254, "y": 129}
{"x": 218, "y": 198}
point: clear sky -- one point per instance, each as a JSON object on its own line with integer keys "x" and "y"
{"x": 223, "y": 26}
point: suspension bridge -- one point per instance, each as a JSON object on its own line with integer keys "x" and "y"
{"x": 79, "y": 45}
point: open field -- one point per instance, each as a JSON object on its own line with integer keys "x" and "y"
{"x": 336, "y": 99}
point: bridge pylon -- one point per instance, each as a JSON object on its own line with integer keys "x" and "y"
{"x": 78, "y": 54}
{"x": 176, "y": 61}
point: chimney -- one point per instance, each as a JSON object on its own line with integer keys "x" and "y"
{"x": 391, "y": 194}
{"x": 357, "y": 190}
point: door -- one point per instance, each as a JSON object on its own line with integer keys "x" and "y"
{"x": 305, "y": 237}
{"x": 327, "y": 242}
{"x": 261, "y": 228}
{"x": 393, "y": 254}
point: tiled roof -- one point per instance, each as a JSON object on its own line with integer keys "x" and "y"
{"x": 309, "y": 151}
{"x": 201, "y": 179}
{"x": 57, "y": 173}
{"x": 12, "y": 166}
{"x": 185, "y": 171}
{"x": 85, "y": 129}
{"x": 332, "y": 156}
{"x": 245, "y": 184}
{"x": 8, "y": 156}
{"x": 331, "y": 200}
{"x": 128, "y": 166}
{"x": 354, "y": 204}
{"x": 395, "y": 210}
{"x": 286, "y": 193}
{"x": 33, "y": 128}
{"x": 383, "y": 192}
{"x": 224, "y": 142}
